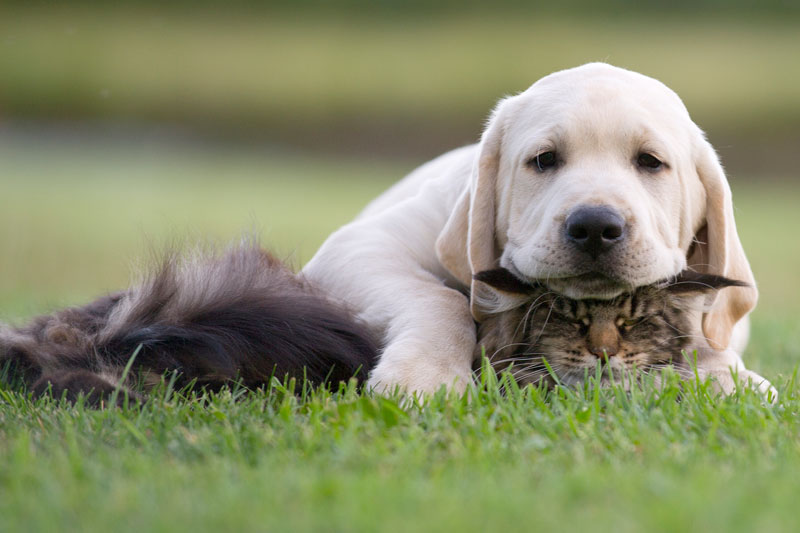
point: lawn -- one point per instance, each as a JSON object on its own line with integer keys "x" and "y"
{"x": 294, "y": 69}
{"x": 75, "y": 217}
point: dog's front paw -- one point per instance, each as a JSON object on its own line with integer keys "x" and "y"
{"x": 416, "y": 377}
{"x": 726, "y": 381}
{"x": 761, "y": 384}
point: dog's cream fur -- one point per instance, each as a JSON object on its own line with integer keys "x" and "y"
{"x": 406, "y": 263}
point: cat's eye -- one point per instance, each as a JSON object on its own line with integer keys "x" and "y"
{"x": 627, "y": 323}
{"x": 543, "y": 161}
{"x": 580, "y": 323}
{"x": 649, "y": 162}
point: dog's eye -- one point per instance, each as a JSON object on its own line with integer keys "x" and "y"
{"x": 649, "y": 161}
{"x": 543, "y": 161}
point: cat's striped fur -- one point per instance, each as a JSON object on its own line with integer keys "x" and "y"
{"x": 645, "y": 329}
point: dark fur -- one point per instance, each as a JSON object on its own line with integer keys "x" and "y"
{"x": 212, "y": 319}
{"x": 646, "y": 329}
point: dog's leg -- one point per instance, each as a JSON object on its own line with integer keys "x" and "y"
{"x": 721, "y": 366}
{"x": 740, "y": 336}
{"x": 426, "y": 328}
{"x": 430, "y": 347}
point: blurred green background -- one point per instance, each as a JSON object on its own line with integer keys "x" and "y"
{"x": 124, "y": 126}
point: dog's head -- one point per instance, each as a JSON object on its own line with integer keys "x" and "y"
{"x": 594, "y": 181}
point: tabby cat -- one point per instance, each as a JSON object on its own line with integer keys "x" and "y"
{"x": 646, "y": 329}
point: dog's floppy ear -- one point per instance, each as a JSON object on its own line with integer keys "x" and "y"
{"x": 467, "y": 244}
{"x": 451, "y": 244}
{"x": 717, "y": 250}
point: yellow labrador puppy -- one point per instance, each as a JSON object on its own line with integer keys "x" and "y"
{"x": 593, "y": 181}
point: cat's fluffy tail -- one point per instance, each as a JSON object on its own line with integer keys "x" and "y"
{"x": 212, "y": 318}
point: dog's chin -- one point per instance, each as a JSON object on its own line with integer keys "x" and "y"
{"x": 586, "y": 286}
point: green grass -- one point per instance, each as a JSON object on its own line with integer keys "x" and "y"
{"x": 74, "y": 218}
{"x": 293, "y": 70}
{"x": 344, "y": 462}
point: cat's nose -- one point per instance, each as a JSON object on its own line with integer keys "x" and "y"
{"x": 603, "y": 339}
{"x": 594, "y": 229}
{"x": 602, "y": 352}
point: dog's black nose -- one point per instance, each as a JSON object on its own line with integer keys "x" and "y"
{"x": 595, "y": 229}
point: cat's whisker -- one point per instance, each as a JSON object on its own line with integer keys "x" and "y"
{"x": 525, "y": 372}
{"x": 529, "y": 377}
{"x": 533, "y": 357}
{"x": 544, "y": 325}
{"x": 692, "y": 282}
{"x": 531, "y": 308}
{"x": 669, "y": 339}
{"x": 526, "y": 354}
{"x": 510, "y": 345}
{"x": 530, "y": 363}
{"x": 670, "y": 326}
{"x": 537, "y": 362}
{"x": 533, "y": 376}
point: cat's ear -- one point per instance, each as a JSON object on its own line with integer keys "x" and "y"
{"x": 504, "y": 280}
{"x": 689, "y": 282}
{"x": 500, "y": 290}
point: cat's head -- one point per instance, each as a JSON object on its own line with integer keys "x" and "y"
{"x": 645, "y": 329}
